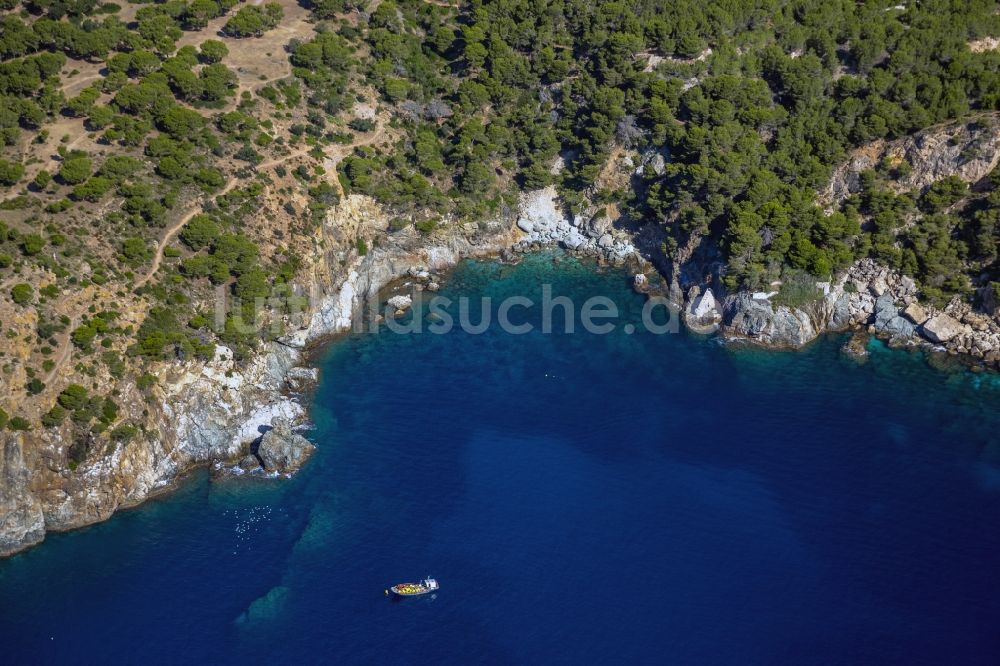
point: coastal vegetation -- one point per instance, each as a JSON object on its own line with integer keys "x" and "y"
{"x": 156, "y": 155}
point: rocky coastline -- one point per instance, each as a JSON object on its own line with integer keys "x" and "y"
{"x": 867, "y": 298}
{"x": 223, "y": 412}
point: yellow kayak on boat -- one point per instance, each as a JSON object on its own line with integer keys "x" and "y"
{"x": 414, "y": 589}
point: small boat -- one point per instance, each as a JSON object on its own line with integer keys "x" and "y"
{"x": 414, "y": 589}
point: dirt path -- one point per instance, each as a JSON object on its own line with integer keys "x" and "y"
{"x": 197, "y": 207}
{"x": 338, "y": 153}
{"x": 73, "y": 88}
{"x": 65, "y": 351}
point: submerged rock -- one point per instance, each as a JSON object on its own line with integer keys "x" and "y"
{"x": 857, "y": 346}
{"x": 266, "y": 608}
{"x": 282, "y": 450}
{"x": 508, "y": 256}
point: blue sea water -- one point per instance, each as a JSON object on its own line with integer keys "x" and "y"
{"x": 581, "y": 498}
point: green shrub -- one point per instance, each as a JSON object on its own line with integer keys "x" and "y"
{"x": 32, "y": 244}
{"x": 798, "y": 288}
{"x": 75, "y": 170}
{"x": 10, "y": 172}
{"x": 426, "y": 226}
{"x": 22, "y": 293}
{"x": 361, "y": 124}
{"x": 145, "y": 381}
{"x": 124, "y": 433}
{"x": 73, "y": 397}
{"x": 54, "y": 416}
{"x": 83, "y": 336}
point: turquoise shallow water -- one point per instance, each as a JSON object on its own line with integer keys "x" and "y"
{"x": 581, "y": 498}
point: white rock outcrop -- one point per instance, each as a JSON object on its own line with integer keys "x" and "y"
{"x": 542, "y": 220}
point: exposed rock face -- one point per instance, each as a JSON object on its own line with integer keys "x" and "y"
{"x": 866, "y": 297}
{"x": 282, "y": 450}
{"x": 209, "y": 411}
{"x": 22, "y": 522}
{"x": 201, "y": 412}
{"x": 969, "y": 150}
{"x": 543, "y": 222}
{"x": 249, "y": 463}
{"x": 302, "y": 379}
{"x": 702, "y": 314}
{"x": 654, "y": 160}
{"x": 942, "y": 328}
{"x": 888, "y": 321}
{"x": 757, "y": 320}
{"x": 899, "y": 328}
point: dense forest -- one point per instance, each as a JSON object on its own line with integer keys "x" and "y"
{"x": 753, "y": 103}
{"x": 119, "y": 121}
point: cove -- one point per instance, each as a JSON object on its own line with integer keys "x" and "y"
{"x": 581, "y": 498}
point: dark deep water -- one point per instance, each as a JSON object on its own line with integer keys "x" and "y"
{"x": 581, "y": 498}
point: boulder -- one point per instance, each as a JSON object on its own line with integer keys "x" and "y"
{"x": 885, "y": 311}
{"x": 249, "y": 463}
{"x": 941, "y": 328}
{"x": 282, "y": 450}
{"x": 400, "y": 303}
{"x": 574, "y": 240}
{"x": 878, "y": 286}
{"x": 884, "y": 302}
{"x": 978, "y": 322}
{"x": 539, "y": 211}
{"x": 301, "y": 379}
{"x": 702, "y": 314}
{"x": 704, "y": 305}
{"x": 915, "y": 313}
{"x": 865, "y": 304}
{"x": 899, "y": 328}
